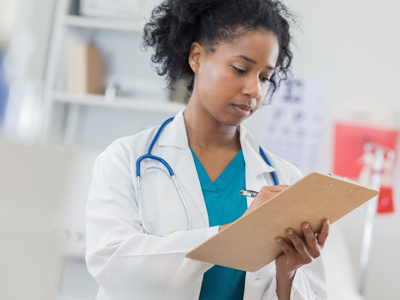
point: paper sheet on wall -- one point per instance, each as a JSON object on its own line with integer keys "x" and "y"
{"x": 355, "y": 156}
{"x": 292, "y": 126}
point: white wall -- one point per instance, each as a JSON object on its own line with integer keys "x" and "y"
{"x": 25, "y": 65}
{"x": 41, "y": 26}
{"x": 28, "y": 19}
{"x": 7, "y": 20}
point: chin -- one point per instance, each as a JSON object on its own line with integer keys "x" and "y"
{"x": 233, "y": 121}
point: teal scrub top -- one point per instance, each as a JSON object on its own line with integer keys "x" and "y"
{"x": 224, "y": 205}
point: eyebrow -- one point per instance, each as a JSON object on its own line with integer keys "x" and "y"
{"x": 253, "y": 61}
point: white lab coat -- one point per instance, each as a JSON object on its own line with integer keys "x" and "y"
{"x": 129, "y": 264}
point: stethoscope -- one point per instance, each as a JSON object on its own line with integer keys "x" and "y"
{"x": 148, "y": 155}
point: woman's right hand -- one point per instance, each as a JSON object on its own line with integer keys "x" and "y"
{"x": 266, "y": 193}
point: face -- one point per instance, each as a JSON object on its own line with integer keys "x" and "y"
{"x": 231, "y": 82}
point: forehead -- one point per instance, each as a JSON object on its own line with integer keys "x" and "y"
{"x": 261, "y": 46}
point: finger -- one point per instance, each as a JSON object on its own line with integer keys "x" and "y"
{"x": 311, "y": 241}
{"x": 266, "y": 196}
{"x": 267, "y": 192}
{"x": 274, "y": 188}
{"x": 291, "y": 254}
{"x": 324, "y": 232}
{"x": 300, "y": 246}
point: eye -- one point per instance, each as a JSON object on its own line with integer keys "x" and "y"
{"x": 239, "y": 70}
{"x": 265, "y": 79}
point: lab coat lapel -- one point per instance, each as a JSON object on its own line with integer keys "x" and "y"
{"x": 254, "y": 183}
{"x": 256, "y": 167}
{"x": 186, "y": 172}
{"x": 175, "y": 136}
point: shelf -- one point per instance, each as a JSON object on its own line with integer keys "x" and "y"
{"x": 119, "y": 103}
{"x": 62, "y": 297}
{"x": 104, "y": 23}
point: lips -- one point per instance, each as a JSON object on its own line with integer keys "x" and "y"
{"x": 242, "y": 110}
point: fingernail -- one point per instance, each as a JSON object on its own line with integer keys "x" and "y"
{"x": 290, "y": 232}
{"x": 306, "y": 227}
{"x": 279, "y": 240}
{"x": 328, "y": 224}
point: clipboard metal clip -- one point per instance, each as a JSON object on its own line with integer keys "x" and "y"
{"x": 343, "y": 178}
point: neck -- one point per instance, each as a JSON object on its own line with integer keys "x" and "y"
{"x": 206, "y": 133}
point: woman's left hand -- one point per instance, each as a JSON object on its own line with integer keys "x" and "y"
{"x": 304, "y": 250}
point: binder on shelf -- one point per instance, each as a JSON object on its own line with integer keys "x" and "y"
{"x": 248, "y": 244}
{"x": 84, "y": 68}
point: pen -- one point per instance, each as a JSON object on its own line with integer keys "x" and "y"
{"x": 248, "y": 193}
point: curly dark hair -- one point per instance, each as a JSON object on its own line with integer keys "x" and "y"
{"x": 175, "y": 24}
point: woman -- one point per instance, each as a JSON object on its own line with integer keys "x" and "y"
{"x": 232, "y": 53}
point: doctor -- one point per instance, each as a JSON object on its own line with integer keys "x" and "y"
{"x": 233, "y": 54}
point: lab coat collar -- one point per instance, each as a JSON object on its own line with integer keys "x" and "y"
{"x": 251, "y": 152}
{"x": 174, "y": 135}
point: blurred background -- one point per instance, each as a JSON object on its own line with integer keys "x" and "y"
{"x": 73, "y": 79}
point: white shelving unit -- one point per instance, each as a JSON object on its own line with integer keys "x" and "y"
{"x": 121, "y": 103}
{"x": 64, "y": 19}
{"x": 68, "y": 298}
{"x": 59, "y": 102}
{"x": 99, "y": 23}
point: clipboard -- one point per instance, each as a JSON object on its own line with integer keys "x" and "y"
{"x": 248, "y": 244}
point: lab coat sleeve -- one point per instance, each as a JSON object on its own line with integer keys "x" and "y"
{"x": 309, "y": 283}
{"x": 124, "y": 260}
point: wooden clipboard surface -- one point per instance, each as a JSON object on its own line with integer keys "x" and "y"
{"x": 248, "y": 244}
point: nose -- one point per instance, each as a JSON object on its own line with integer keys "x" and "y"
{"x": 252, "y": 87}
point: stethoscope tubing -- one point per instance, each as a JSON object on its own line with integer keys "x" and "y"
{"x": 273, "y": 174}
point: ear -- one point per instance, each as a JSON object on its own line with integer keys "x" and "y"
{"x": 196, "y": 53}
